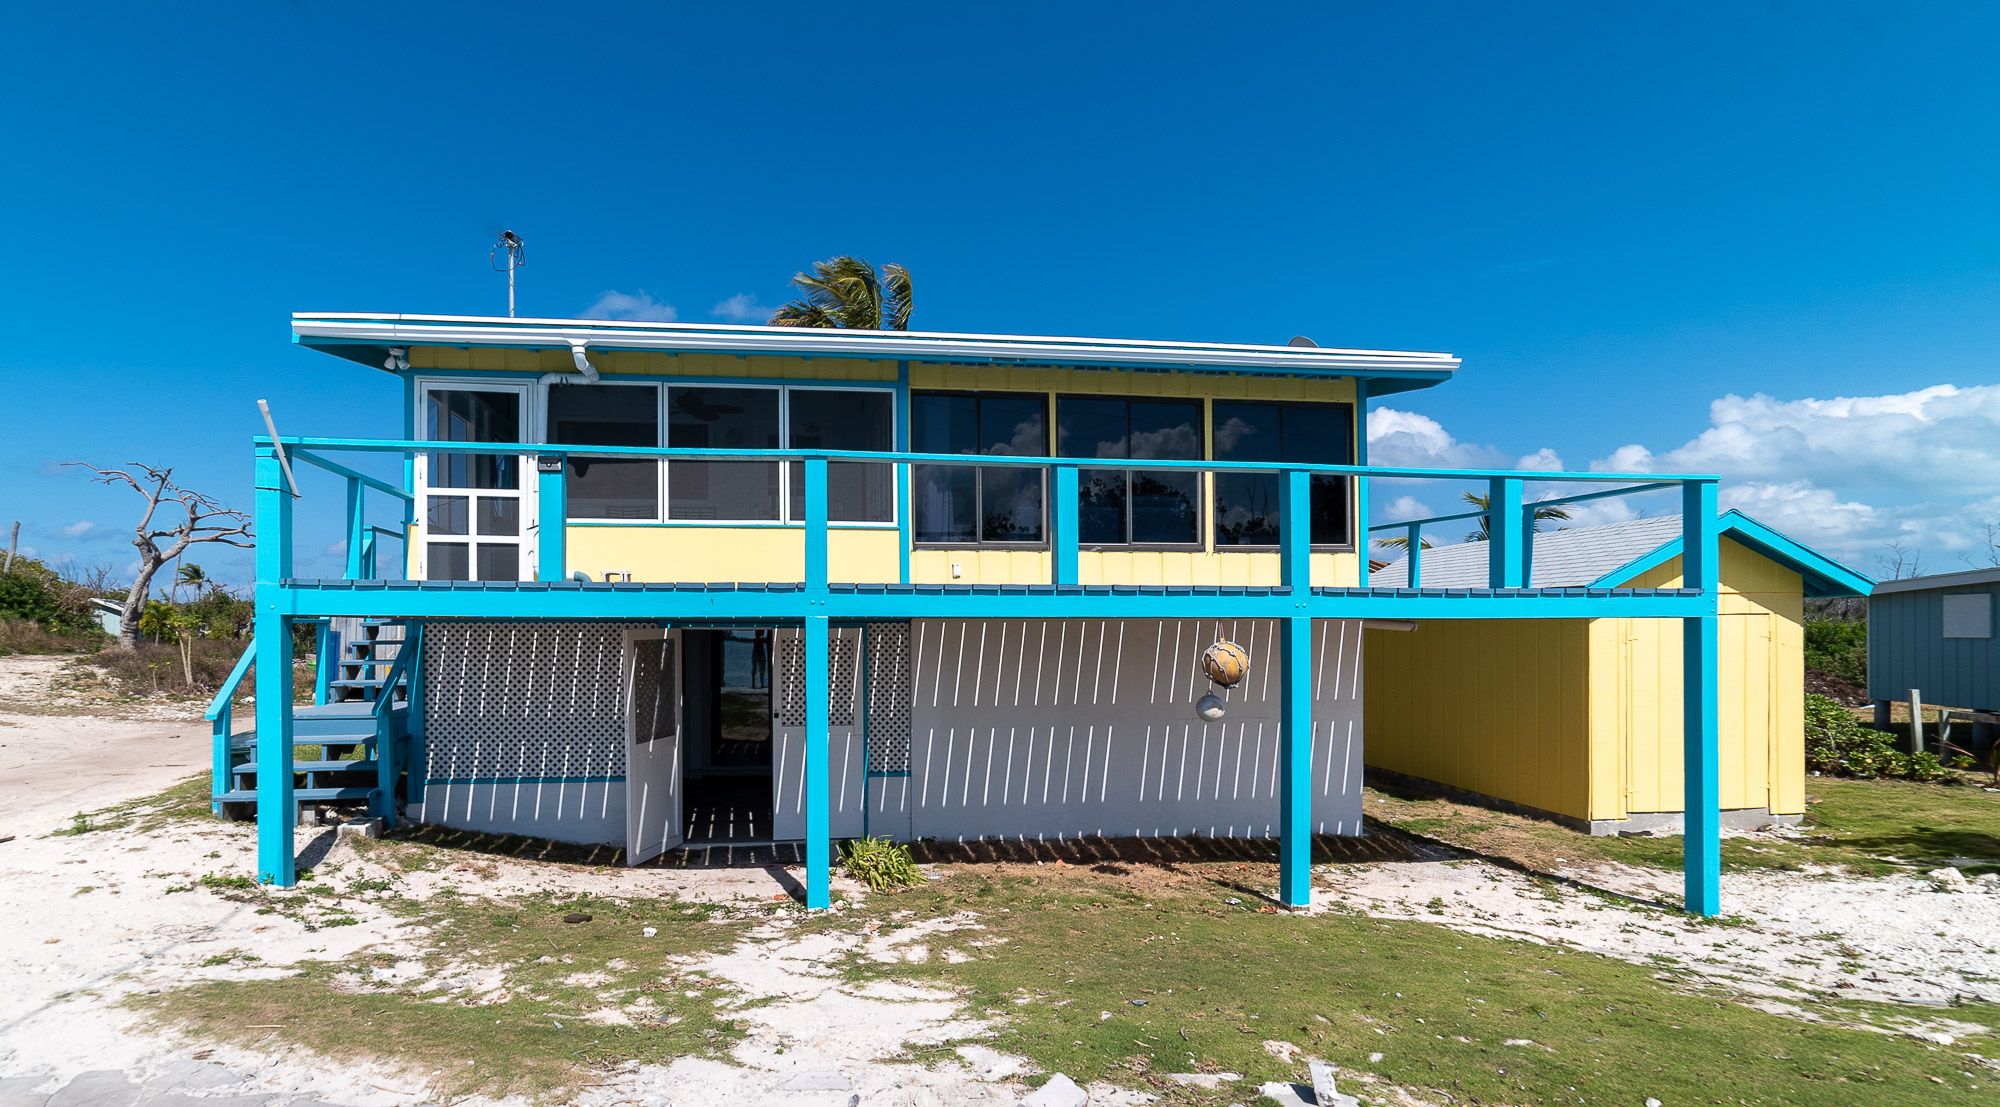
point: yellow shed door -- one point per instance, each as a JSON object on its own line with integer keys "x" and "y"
{"x": 1759, "y": 704}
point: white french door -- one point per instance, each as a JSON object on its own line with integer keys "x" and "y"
{"x": 475, "y": 513}
{"x": 652, "y": 744}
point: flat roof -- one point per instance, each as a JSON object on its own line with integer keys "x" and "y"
{"x": 1940, "y": 580}
{"x": 365, "y": 337}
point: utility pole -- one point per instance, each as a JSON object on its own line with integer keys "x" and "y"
{"x": 13, "y": 544}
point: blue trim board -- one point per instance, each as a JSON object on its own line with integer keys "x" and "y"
{"x": 1823, "y": 575}
{"x": 524, "y": 780}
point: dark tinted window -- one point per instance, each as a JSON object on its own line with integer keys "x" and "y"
{"x": 722, "y": 418}
{"x": 608, "y": 415}
{"x": 951, "y": 503}
{"x": 838, "y": 419}
{"x": 1248, "y": 507}
{"x": 1121, "y": 506}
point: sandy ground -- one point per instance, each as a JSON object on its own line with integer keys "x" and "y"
{"x": 100, "y": 916}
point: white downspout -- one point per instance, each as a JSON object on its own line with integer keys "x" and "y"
{"x": 583, "y": 366}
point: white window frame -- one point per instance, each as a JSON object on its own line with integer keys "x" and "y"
{"x": 898, "y": 472}
{"x": 659, "y": 437}
{"x": 530, "y": 531}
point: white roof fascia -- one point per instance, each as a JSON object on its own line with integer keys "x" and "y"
{"x": 1942, "y": 580}
{"x": 442, "y": 330}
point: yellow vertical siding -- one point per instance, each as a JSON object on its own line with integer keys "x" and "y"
{"x": 753, "y": 554}
{"x": 1498, "y": 707}
{"x": 1584, "y": 719}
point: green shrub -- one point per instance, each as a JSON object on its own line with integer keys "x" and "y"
{"x": 32, "y": 592}
{"x": 1840, "y": 647}
{"x": 880, "y": 863}
{"x": 1838, "y": 745}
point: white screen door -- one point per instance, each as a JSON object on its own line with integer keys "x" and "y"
{"x": 475, "y": 512}
{"x": 653, "y": 744}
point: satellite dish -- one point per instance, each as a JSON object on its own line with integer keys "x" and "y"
{"x": 1302, "y": 340}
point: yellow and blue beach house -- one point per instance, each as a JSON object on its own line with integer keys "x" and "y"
{"x": 657, "y": 585}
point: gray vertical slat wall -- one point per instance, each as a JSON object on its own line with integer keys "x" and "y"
{"x": 1907, "y": 649}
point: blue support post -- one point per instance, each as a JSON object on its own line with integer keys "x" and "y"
{"x": 1527, "y": 544}
{"x": 1295, "y": 767}
{"x": 416, "y": 760}
{"x": 219, "y": 781}
{"x": 326, "y": 660}
{"x": 1702, "y": 843}
{"x": 1415, "y": 561}
{"x": 1362, "y": 546}
{"x": 1295, "y": 533}
{"x": 1063, "y": 526}
{"x": 819, "y": 844}
{"x": 816, "y": 523}
{"x": 552, "y": 515}
{"x": 357, "y": 528}
{"x": 1503, "y": 538}
{"x": 276, "y": 811}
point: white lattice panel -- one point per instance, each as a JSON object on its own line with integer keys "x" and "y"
{"x": 521, "y": 700}
{"x": 843, "y": 649}
{"x": 889, "y": 697}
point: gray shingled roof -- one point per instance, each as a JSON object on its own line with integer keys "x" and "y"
{"x": 1563, "y": 558}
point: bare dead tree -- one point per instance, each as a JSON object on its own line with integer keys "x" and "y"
{"x": 1988, "y": 555}
{"x": 1900, "y": 562}
{"x": 191, "y": 518}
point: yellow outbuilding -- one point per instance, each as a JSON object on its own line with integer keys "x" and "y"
{"x": 1580, "y": 720}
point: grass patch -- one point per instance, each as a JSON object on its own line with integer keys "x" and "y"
{"x": 1869, "y": 827}
{"x": 540, "y": 1033}
{"x": 1193, "y": 983}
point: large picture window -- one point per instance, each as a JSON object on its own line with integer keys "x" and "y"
{"x": 1119, "y": 507}
{"x": 608, "y": 415}
{"x": 705, "y": 416}
{"x": 845, "y": 419}
{"x": 986, "y": 504}
{"x": 1248, "y": 506}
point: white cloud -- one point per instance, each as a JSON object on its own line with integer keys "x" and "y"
{"x": 627, "y": 306}
{"x": 1847, "y": 475}
{"x": 77, "y": 529}
{"x": 741, "y": 308}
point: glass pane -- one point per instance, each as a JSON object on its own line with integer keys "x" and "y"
{"x": 1011, "y": 505}
{"x": 1246, "y": 509}
{"x": 723, "y": 418}
{"x": 1100, "y": 508}
{"x": 1091, "y": 426}
{"x": 499, "y": 562}
{"x": 943, "y": 424}
{"x": 608, "y": 415}
{"x": 943, "y": 502}
{"x": 1163, "y": 507}
{"x": 1246, "y": 432}
{"x": 1321, "y": 433}
{"x": 1012, "y": 426}
{"x": 834, "y": 419}
{"x": 447, "y": 515}
{"x": 1166, "y": 430}
{"x": 463, "y": 416}
{"x": 448, "y": 561}
{"x": 499, "y": 515}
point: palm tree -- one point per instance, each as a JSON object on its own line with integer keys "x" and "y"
{"x": 1483, "y": 502}
{"x": 189, "y": 574}
{"x": 845, "y": 292}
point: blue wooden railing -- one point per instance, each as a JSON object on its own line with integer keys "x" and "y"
{"x": 1510, "y": 517}
{"x": 218, "y": 716}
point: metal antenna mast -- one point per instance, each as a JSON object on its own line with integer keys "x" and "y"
{"x": 517, "y": 256}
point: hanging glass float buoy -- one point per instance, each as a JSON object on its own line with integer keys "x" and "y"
{"x": 1225, "y": 663}
{"x": 1209, "y": 707}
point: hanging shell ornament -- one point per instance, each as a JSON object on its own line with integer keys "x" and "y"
{"x": 1225, "y": 663}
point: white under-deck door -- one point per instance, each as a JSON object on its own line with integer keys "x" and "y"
{"x": 653, "y": 744}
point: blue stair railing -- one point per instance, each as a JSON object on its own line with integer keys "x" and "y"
{"x": 218, "y": 715}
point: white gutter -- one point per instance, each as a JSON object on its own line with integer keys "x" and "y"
{"x": 405, "y": 330}
{"x": 583, "y": 366}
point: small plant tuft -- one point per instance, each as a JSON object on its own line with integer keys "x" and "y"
{"x": 1838, "y": 745}
{"x": 881, "y": 863}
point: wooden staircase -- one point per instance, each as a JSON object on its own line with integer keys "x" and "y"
{"x": 352, "y": 747}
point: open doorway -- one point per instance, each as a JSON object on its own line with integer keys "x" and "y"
{"x": 727, "y": 709}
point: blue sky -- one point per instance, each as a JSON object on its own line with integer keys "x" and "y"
{"x": 1758, "y": 240}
